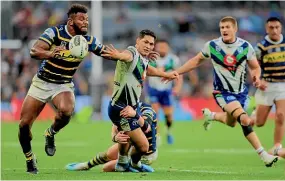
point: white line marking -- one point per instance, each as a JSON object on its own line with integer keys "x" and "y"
{"x": 224, "y": 151}
{"x": 197, "y": 171}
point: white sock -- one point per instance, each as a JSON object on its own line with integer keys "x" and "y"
{"x": 212, "y": 116}
{"x": 136, "y": 165}
{"x": 123, "y": 159}
{"x": 260, "y": 151}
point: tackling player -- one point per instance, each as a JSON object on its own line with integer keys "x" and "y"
{"x": 230, "y": 55}
{"x": 109, "y": 157}
{"x": 161, "y": 94}
{"x": 271, "y": 55}
{"x": 53, "y": 81}
{"x": 131, "y": 70}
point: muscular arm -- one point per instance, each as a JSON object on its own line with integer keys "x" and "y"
{"x": 41, "y": 50}
{"x": 152, "y": 71}
{"x": 191, "y": 64}
{"x": 254, "y": 68}
{"x": 112, "y": 53}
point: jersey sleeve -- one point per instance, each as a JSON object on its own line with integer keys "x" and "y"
{"x": 94, "y": 45}
{"x": 152, "y": 63}
{"x": 251, "y": 53}
{"x": 49, "y": 36}
{"x": 206, "y": 50}
{"x": 258, "y": 52}
{"x": 132, "y": 50}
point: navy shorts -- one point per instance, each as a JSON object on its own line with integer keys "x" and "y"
{"x": 164, "y": 98}
{"x": 123, "y": 124}
{"x": 224, "y": 98}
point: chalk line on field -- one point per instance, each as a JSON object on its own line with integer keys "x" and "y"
{"x": 214, "y": 150}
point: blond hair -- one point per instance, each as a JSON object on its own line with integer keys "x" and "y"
{"x": 229, "y": 19}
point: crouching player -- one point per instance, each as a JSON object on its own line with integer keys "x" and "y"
{"x": 109, "y": 157}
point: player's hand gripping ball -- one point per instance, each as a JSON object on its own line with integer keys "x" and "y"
{"x": 78, "y": 46}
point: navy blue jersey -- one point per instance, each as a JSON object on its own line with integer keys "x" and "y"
{"x": 147, "y": 111}
{"x": 61, "y": 68}
{"x": 271, "y": 56}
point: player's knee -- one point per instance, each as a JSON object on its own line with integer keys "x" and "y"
{"x": 25, "y": 122}
{"x": 246, "y": 130}
{"x": 244, "y": 119}
{"x": 259, "y": 123}
{"x": 279, "y": 118}
{"x": 66, "y": 110}
{"x": 143, "y": 148}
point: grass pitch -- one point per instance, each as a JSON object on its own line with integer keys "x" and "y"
{"x": 221, "y": 153}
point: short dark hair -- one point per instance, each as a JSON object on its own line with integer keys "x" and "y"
{"x": 273, "y": 19}
{"x": 147, "y": 32}
{"x": 162, "y": 41}
{"x": 77, "y": 8}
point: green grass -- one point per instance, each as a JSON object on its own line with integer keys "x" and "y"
{"x": 219, "y": 154}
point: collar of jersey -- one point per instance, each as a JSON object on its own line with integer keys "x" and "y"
{"x": 274, "y": 42}
{"x": 65, "y": 27}
{"x": 229, "y": 43}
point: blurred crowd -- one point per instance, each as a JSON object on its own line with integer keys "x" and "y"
{"x": 186, "y": 25}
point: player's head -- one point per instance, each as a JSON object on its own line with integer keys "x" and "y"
{"x": 228, "y": 29}
{"x": 78, "y": 18}
{"x": 145, "y": 42}
{"x": 162, "y": 47}
{"x": 273, "y": 28}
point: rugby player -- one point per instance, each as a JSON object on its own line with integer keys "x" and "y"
{"x": 131, "y": 70}
{"x": 159, "y": 93}
{"x": 230, "y": 55}
{"x": 109, "y": 157}
{"x": 53, "y": 81}
{"x": 271, "y": 55}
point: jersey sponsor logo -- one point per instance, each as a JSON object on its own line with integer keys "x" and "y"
{"x": 240, "y": 49}
{"x": 230, "y": 98}
{"x": 230, "y": 60}
{"x": 218, "y": 48}
{"x": 274, "y": 57}
{"x": 65, "y": 55}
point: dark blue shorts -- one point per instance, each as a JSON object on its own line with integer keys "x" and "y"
{"x": 164, "y": 98}
{"x": 224, "y": 98}
{"x": 123, "y": 124}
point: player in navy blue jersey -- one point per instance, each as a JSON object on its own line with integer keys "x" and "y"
{"x": 53, "y": 81}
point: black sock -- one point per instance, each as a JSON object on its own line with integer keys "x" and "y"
{"x": 136, "y": 157}
{"x": 51, "y": 131}
{"x": 60, "y": 123}
{"x": 25, "y": 137}
{"x": 99, "y": 159}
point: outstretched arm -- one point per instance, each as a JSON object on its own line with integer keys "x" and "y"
{"x": 191, "y": 64}
{"x": 110, "y": 52}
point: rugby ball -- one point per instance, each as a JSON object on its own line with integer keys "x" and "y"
{"x": 78, "y": 46}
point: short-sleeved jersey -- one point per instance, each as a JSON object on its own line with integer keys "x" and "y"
{"x": 229, "y": 62}
{"x": 167, "y": 63}
{"x": 128, "y": 80}
{"x": 146, "y": 110}
{"x": 61, "y": 68}
{"x": 271, "y": 56}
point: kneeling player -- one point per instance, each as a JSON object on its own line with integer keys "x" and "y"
{"x": 109, "y": 157}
